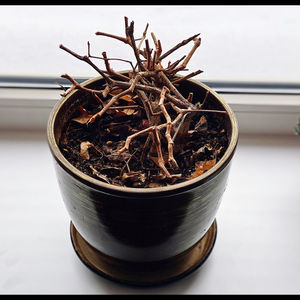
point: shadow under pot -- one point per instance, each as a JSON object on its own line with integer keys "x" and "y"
{"x": 141, "y": 236}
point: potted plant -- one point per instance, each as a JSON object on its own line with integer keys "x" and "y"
{"x": 142, "y": 158}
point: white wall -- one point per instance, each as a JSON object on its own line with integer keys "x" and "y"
{"x": 259, "y": 43}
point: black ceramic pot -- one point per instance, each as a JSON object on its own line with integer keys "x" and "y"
{"x": 142, "y": 236}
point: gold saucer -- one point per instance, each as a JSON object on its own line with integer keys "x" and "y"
{"x": 148, "y": 273}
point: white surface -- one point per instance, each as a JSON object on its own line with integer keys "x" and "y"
{"x": 256, "y": 113}
{"x": 256, "y": 251}
{"x": 239, "y": 42}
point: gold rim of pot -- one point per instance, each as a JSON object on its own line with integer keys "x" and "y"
{"x": 225, "y": 159}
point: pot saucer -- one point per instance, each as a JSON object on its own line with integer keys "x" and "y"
{"x": 148, "y": 273}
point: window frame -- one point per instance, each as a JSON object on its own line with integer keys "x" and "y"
{"x": 260, "y": 108}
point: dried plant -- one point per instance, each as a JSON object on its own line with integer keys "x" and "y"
{"x": 151, "y": 89}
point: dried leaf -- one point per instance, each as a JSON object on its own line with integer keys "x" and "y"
{"x": 127, "y": 98}
{"x": 134, "y": 176}
{"x": 84, "y": 146}
{"x": 83, "y": 117}
{"x": 124, "y": 112}
{"x": 201, "y": 124}
{"x": 201, "y": 167}
{"x": 99, "y": 175}
{"x": 116, "y": 92}
{"x": 206, "y": 147}
{"x": 129, "y": 111}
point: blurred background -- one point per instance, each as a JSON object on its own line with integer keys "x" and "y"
{"x": 257, "y": 43}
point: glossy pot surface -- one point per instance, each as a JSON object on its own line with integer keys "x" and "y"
{"x": 141, "y": 224}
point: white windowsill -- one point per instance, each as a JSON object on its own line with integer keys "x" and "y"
{"x": 256, "y": 251}
{"x": 257, "y": 245}
{"x": 29, "y": 109}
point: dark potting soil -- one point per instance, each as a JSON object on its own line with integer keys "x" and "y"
{"x": 93, "y": 148}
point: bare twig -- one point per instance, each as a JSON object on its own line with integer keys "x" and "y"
{"x": 160, "y": 157}
{"x": 184, "y": 42}
{"x": 115, "y": 98}
{"x": 129, "y": 31}
{"x": 87, "y": 60}
{"x": 187, "y": 76}
{"x": 171, "y": 158}
{"x": 197, "y": 43}
{"x": 153, "y": 88}
{"x": 77, "y": 85}
{"x": 143, "y": 37}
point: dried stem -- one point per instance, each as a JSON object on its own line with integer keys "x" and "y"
{"x": 197, "y": 43}
{"x": 171, "y": 158}
{"x": 115, "y": 99}
{"x": 143, "y": 37}
{"x": 184, "y": 42}
{"x": 153, "y": 87}
{"x": 160, "y": 157}
{"x": 77, "y": 85}
{"x": 187, "y": 76}
{"x": 129, "y": 32}
{"x": 111, "y": 71}
{"x": 87, "y": 60}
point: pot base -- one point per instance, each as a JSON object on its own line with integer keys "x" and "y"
{"x": 148, "y": 273}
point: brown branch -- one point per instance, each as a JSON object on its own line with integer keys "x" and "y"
{"x": 160, "y": 158}
{"x": 127, "y": 39}
{"x": 190, "y": 97}
{"x": 120, "y": 38}
{"x": 143, "y": 37}
{"x": 158, "y": 48}
{"x": 174, "y": 64}
{"x": 110, "y": 58}
{"x": 110, "y": 70}
{"x": 131, "y": 137}
{"x": 129, "y": 31}
{"x": 171, "y": 158}
{"x": 184, "y": 42}
{"x": 77, "y": 85}
{"x": 152, "y": 64}
{"x": 115, "y": 98}
{"x": 87, "y": 60}
{"x": 162, "y": 106}
{"x": 97, "y": 98}
{"x": 205, "y": 99}
{"x": 148, "y": 54}
{"x": 197, "y": 43}
{"x": 182, "y": 103}
{"x": 153, "y": 88}
{"x": 156, "y": 138}
{"x": 171, "y": 87}
{"x": 154, "y": 40}
{"x": 187, "y": 76}
{"x": 126, "y": 107}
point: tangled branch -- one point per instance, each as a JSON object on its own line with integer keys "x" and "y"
{"x": 153, "y": 87}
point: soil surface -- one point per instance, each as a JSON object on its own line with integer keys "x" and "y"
{"x": 93, "y": 147}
